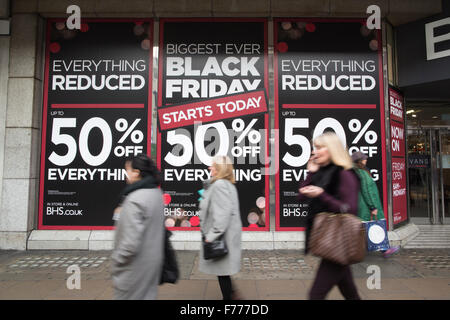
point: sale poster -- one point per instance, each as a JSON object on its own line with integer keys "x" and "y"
{"x": 398, "y": 153}
{"x": 212, "y": 100}
{"x": 95, "y": 116}
{"x": 328, "y": 77}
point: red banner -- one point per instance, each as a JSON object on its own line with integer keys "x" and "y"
{"x": 395, "y": 105}
{"x": 210, "y": 110}
{"x": 399, "y": 207}
{"x": 397, "y": 139}
{"x": 398, "y": 153}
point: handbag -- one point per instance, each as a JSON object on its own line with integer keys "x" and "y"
{"x": 340, "y": 238}
{"x": 377, "y": 237}
{"x": 170, "y": 272}
{"x": 215, "y": 249}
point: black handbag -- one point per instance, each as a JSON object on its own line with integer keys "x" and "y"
{"x": 215, "y": 249}
{"x": 170, "y": 272}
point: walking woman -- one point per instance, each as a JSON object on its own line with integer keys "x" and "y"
{"x": 369, "y": 203}
{"x": 331, "y": 186}
{"x": 137, "y": 258}
{"x": 220, "y": 216}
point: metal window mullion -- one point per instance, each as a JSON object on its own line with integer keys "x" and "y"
{"x": 441, "y": 177}
{"x": 433, "y": 176}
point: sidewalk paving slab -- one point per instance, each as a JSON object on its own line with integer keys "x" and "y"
{"x": 183, "y": 290}
{"x": 275, "y": 275}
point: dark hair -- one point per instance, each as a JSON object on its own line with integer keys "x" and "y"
{"x": 146, "y": 166}
{"x": 360, "y": 165}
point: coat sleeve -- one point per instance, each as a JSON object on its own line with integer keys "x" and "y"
{"x": 366, "y": 193}
{"x": 305, "y": 183}
{"x": 347, "y": 192}
{"x": 133, "y": 225}
{"x": 220, "y": 209}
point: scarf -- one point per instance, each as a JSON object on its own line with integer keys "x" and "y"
{"x": 325, "y": 176}
{"x": 328, "y": 179}
{"x": 147, "y": 182}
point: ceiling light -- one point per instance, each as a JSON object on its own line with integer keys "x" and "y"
{"x": 410, "y": 111}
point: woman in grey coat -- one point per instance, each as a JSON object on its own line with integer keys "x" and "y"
{"x": 219, "y": 215}
{"x": 137, "y": 259}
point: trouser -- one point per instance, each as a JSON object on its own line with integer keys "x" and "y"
{"x": 329, "y": 275}
{"x": 226, "y": 287}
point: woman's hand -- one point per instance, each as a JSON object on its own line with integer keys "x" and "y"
{"x": 312, "y": 166}
{"x": 311, "y": 191}
{"x": 374, "y": 212}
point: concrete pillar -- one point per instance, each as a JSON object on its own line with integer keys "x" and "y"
{"x": 4, "y": 9}
{"x": 4, "y": 64}
{"x": 4, "y": 71}
{"x": 20, "y": 185}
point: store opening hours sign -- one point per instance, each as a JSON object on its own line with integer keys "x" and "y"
{"x": 398, "y": 152}
{"x": 212, "y": 100}
{"x": 328, "y": 78}
{"x": 96, "y": 100}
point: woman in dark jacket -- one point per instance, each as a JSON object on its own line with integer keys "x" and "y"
{"x": 331, "y": 186}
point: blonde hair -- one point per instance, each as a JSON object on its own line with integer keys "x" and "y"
{"x": 338, "y": 153}
{"x": 224, "y": 168}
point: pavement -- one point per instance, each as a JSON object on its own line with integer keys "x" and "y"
{"x": 411, "y": 274}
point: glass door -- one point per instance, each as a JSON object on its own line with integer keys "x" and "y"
{"x": 429, "y": 175}
{"x": 443, "y": 154}
{"x": 419, "y": 174}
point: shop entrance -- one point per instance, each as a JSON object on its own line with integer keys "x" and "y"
{"x": 429, "y": 174}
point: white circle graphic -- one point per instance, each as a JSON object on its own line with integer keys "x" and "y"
{"x": 252, "y": 218}
{"x": 261, "y": 202}
{"x": 376, "y": 234}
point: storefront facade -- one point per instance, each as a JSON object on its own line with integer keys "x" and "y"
{"x": 140, "y": 78}
{"x": 424, "y": 76}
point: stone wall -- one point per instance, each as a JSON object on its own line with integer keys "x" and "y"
{"x": 4, "y": 67}
{"x": 22, "y": 131}
{"x": 397, "y": 11}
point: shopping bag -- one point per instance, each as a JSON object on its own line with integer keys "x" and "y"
{"x": 377, "y": 236}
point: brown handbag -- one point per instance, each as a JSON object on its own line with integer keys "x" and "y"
{"x": 340, "y": 238}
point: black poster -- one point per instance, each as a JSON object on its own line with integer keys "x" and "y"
{"x": 327, "y": 78}
{"x": 96, "y": 102}
{"x": 212, "y": 100}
